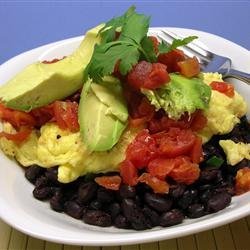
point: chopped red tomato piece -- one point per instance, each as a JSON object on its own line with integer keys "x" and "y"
{"x": 16, "y": 118}
{"x": 171, "y": 59}
{"x": 156, "y": 184}
{"x": 142, "y": 114}
{"x": 175, "y": 142}
{"x": 161, "y": 167}
{"x": 148, "y": 75}
{"x": 196, "y": 152}
{"x": 128, "y": 173}
{"x": 199, "y": 121}
{"x": 223, "y": 87}
{"x": 19, "y": 136}
{"x": 43, "y": 115}
{"x": 142, "y": 149}
{"x": 195, "y": 121}
{"x": 66, "y": 115}
{"x": 189, "y": 67}
{"x": 109, "y": 182}
{"x": 155, "y": 43}
{"x": 185, "y": 171}
{"x": 242, "y": 184}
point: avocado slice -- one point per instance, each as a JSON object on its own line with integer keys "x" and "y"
{"x": 102, "y": 114}
{"x": 40, "y": 84}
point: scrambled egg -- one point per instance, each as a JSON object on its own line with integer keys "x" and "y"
{"x": 223, "y": 112}
{"x": 235, "y": 152}
{"x": 52, "y": 146}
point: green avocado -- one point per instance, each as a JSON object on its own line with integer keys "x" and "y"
{"x": 180, "y": 95}
{"x": 40, "y": 84}
{"x": 102, "y": 114}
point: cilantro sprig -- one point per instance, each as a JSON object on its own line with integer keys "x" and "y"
{"x": 165, "y": 48}
{"x": 131, "y": 46}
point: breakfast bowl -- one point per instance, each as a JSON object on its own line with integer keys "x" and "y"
{"x": 19, "y": 209}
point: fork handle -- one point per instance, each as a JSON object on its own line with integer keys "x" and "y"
{"x": 245, "y": 77}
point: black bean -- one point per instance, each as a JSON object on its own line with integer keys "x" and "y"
{"x": 195, "y": 210}
{"x": 207, "y": 176}
{"x": 95, "y": 205}
{"x": 158, "y": 202}
{"x": 210, "y": 150}
{"x": 42, "y": 181}
{"x": 121, "y": 222}
{"x": 114, "y": 209}
{"x": 205, "y": 195}
{"x": 187, "y": 198}
{"x": 73, "y": 209}
{"x": 218, "y": 201}
{"x": 97, "y": 218}
{"x": 86, "y": 192}
{"x": 205, "y": 187}
{"x": 104, "y": 195}
{"x": 42, "y": 193}
{"x": 127, "y": 191}
{"x": 56, "y": 201}
{"x": 177, "y": 190}
{"x": 33, "y": 172}
{"x": 172, "y": 217}
{"x": 134, "y": 215}
{"x": 51, "y": 174}
{"x": 152, "y": 215}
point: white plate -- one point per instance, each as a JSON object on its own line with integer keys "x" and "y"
{"x": 19, "y": 209}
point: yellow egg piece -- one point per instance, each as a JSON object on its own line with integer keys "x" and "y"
{"x": 235, "y": 152}
{"x": 223, "y": 112}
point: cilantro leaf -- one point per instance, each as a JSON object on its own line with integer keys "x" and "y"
{"x": 106, "y": 56}
{"x": 127, "y": 49}
{"x": 182, "y": 42}
{"x": 148, "y": 47}
{"x": 108, "y": 32}
{"x": 135, "y": 28}
{"x": 164, "y": 47}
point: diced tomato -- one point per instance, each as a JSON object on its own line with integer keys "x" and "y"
{"x": 142, "y": 114}
{"x": 175, "y": 142}
{"x": 185, "y": 171}
{"x": 109, "y": 182}
{"x": 160, "y": 167}
{"x": 43, "y": 115}
{"x": 189, "y": 67}
{"x": 156, "y": 184}
{"x": 155, "y": 43}
{"x": 199, "y": 121}
{"x": 142, "y": 149}
{"x": 145, "y": 108}
{"x": 148, "y": 75}
{"x": 195, "y": 122}
{"x": 196, "y": 154}
{"x": 137, "y": 122}
{"x": 16, "y": 118}
{"x": 128, "y": 173}
{"x": 242, "y": 184}
{"x": 171, "y": 59}
{"x": 19, "y": 136}
{"x": 223, "y": 87}
{"x": 66, "y": 115}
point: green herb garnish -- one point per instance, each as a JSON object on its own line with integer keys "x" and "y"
{"x": 131, "y": 46}
{"x": 164, "y": 47}
{"x": 214, "y": 161}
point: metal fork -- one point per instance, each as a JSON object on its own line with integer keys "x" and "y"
{"x": 209, "y": 61}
